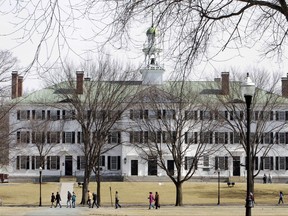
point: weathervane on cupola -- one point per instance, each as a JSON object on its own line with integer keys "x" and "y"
{"x": 152, "y": 72}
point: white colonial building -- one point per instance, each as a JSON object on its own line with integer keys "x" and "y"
{"x": 64, "y": 136}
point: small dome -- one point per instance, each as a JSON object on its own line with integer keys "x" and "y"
{"x": 152, "y": 30}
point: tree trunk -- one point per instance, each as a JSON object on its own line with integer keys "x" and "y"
{"x": 98, "y": 188}
{"x": 85, "y": 189}
{"x": 179, "y": 197}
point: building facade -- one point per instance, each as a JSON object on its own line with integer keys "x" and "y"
{"x": 50, "y": 129}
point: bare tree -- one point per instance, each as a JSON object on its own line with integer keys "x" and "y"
{"x": 7, "y": 63}
{"x": 169, "y": 132}
{"x": 188, "y": 27}
{"x": 97, "y": 104}
{"x": 265, "y": 126}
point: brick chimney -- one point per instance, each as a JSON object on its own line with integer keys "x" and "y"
{"x": 79, "y": 82}
{"x": 14, "y": 85}
{"x": 225, "y": 83}
{"x": 285, "y": 86}
{"x": 20, "y": 86}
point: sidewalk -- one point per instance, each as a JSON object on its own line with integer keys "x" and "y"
{"x": 65, "y": 187}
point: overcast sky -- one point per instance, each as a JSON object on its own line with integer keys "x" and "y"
{"x": 243, "y": 59}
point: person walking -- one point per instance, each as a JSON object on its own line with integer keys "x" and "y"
{"x": 69, "y": 196}
{"x": 151, "y": 200}
{"x": 281, "y": 198}
{"x": 264, "y": 179}
{"x": 117, "y": 200}
{"x": 58, "y": 200}
{"x": 89, "y": 199}
{"x": 73, "y": 199}
{"x": 269, "y": 179}
{"x": 157, "y": 200}
{"x": 52, "y": 200}
{"x": 95, "y": 200}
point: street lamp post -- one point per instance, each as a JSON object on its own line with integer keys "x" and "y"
{"x": 248, "y": 89}
{"x": 40, "y": 183}
{"x": 218, "y": 171}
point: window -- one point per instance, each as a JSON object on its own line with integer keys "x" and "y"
{"x": 267, "y": 163}
{"x": 267, "y": 138}
{"x": 114, "y": 163}
{"x": 53, "y": 137}
{"x": 281, "y": 115}
{"x": 221, "y": 138}
{"x": 191, "y": 137}
{"x": 23, "y": 162}
{"x": 206, "y": 163}
{"x": 38, "y": 114}
{"x": 36, "y": 162}
{"x": 68, "y": 137}
{"x": 221, "y": 163}
{"x": 53, "y": 162}
{"x": 53, "y": 114}
{"x": 23, "y": 137}
{"x": 235, "y": 138}
{"x": 189, "y": 115}
{"x": 281, "y": 163}
{"x": 282, "y": 138}
{"x": 206, "y": 137}
{"x": 114, "y": 137}
{"x": 169, "y": 114}
{"x": 23, "y": 115}
{"x": 206, "y": 115}
{"x": 153, "y": 114}
{"x": 190, "y": 163}
{"x": 38, "y": 137}
{"x": 152, "y": 166}
{"x": 136, "y": 114}
{"x": 136, "y": 136}
{"x": 79, "y": 137}
{"x": 68, "y": 114}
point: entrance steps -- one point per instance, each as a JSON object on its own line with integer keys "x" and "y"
{"x": 67, "y": 179}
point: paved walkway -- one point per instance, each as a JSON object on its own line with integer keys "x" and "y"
{"x": 65, "y": 187}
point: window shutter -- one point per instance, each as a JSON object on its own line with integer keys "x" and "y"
{"x": 226, "y": 163}
{"x": 261, "y": 163}
{"x": 216, "y": 163}
{"x": 277, "y": 163}
{"x": 18, "y": 114}
{"x": 185, "y": 165}
{"x": 109, "y": 162}
{"x": 48, "y": 162}
{"x": 78, "y": 162}
{"x": 43, "y": 115}
{"x": 286, "y": 159}
{"x": 186, "y": 137}
{"x": 119, "y": 137}
{"x": 256, "y": 163}
{"x": 27, "y": 162}
{"x": 58, "y": 162}
{"x": 63, "y": 137}
{"x": 28, "y": 114}
{"x": 119, "y": 162}
{"x": 277, "y": 115}
{"x": 33, "y": 163}
{"x": 73, "y": 137}
{"x": 103, "y": 160}
{"x": 18, "y": 163}
{"x": 271, "y": 163}
{"x": 271, "y": 115}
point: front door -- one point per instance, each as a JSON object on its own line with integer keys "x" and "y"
{"x": 134, "y": 167}
{"x": 236, "y": 166}
{"x": 170, "y": 166}
{"x": 68, "y": 165}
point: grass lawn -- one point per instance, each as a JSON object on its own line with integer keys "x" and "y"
{"x": 136, "y": 193}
